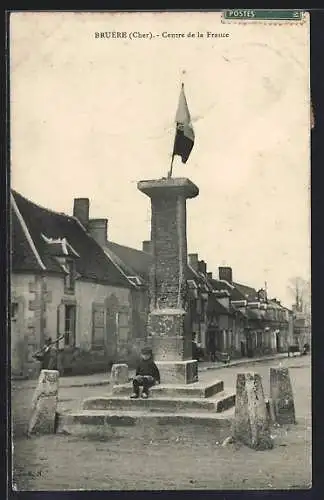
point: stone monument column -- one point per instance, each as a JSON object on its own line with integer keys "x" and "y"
{"x": 167, "y": 332}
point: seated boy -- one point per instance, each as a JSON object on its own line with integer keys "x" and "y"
{"x": 147, "y": 374}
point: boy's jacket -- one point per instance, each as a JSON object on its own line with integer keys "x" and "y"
{"x": 148, "y": 367}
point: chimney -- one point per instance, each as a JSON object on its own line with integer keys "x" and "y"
{"x": 81, "y": 210}
{"x": 147, "y": 246}
{"x": 202, "y": 266}
{"x": 225, "y": 273}
{"x": 193, "y": 261}
{"x": 210, "y": 276}
{"x": 98, "y": 230}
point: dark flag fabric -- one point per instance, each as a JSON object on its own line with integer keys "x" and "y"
{"x": 185, "y": 136}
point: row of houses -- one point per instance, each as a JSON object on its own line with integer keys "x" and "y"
{"x": 68, "y": 279}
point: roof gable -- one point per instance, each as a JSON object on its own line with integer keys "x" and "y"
{"x": 215, "y": 307}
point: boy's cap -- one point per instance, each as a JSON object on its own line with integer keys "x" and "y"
{"x": 146, "y": 350}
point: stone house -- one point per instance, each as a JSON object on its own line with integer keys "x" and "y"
{"x": 280, "y": 326}
{"x": 64, "y": 283}
{"x": 269, "y": 327}
{"x": 224, "y": 326}
{"x": 198, "y": 297}
{"x": 253, "y": 324}
{"x": 135, "y": 265}
{"x": 301, "y": 320}
{"x": 268, "y": 324}
{"x": 221, "y": 327}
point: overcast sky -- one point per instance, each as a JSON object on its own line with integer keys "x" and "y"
{"x": 91, "y": 117}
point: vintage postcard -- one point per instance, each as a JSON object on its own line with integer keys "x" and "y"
{"x": 160, "y": 323}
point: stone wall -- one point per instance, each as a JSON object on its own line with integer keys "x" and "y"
{"x": 29, "y": 303}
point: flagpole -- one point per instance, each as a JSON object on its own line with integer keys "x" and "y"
{"x": 171, "y": 167}
{"x": 173, "y": 154}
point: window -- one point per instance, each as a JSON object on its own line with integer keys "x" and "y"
{"x": 69, "y": 326}
{"x": 69, "y": 279}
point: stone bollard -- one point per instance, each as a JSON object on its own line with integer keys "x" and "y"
{"x": 44, "y": 403}
{"x": 119, "y": 374}
{"x": 251, "y": 423}
{"x": 282, "y": 396}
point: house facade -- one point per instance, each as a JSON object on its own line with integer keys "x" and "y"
{"x": 301, "y": 327}
{"x": 63, "y": 283}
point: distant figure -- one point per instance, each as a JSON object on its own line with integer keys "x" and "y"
{"x": 242, "y": 349}
{"x": 305, "y": 349}
{"x": 147, "y": 374}
{"x": 47, "y": 355}
{"x": 49, "y": 361}
{"x": 211, "y": 334}
{"x": 197, "y": 351}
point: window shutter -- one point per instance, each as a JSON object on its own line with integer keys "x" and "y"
{"x": 72, "y": 335}
{"x": 98, "y": 325}
{"x": 123, "y": 326}
{"x": 61, "y": 324}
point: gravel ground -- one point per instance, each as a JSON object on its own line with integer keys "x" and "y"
{"x": 68, "y": 462}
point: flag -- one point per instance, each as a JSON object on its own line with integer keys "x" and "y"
{"x": 185, "y": 136}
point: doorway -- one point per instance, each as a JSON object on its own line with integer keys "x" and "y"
{"x": 69, "y": 327}
{"x": 249, "y": 345}
{"x": 243, "y": 350}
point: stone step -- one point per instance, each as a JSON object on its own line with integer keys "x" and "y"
{"x": 144, "y": 425}
{"x": 196, "y": 390}
{"x": 221, "y": 402}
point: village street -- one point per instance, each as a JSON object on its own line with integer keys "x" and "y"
{"x": 70, "y": 462}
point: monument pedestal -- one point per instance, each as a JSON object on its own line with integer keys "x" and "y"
{"x": 172, "y": 348}
{"x": 168, "y": 334}
{"x": 178, "y": 372}
{"x": 180, "y": 398}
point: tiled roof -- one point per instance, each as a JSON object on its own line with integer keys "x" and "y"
{"x": 224, "y": 285}
{"x": 193, "y": 275}
{"x": 272, "y": 304}
{"x": 133, "y": 262}
{"x": 22, "y": 255}
{"x": 200, "y": 279}
{"x": 205, "y": 284}
{"x": 236, "y": 290}
{"x": 92, "y": 262}
{"x": 247, "y": 292}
